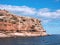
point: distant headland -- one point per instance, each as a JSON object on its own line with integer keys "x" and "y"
{"x": 12, "y": 25}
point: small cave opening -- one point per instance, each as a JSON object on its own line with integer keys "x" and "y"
{"x": 24, "y": 20}
{"x": 32, "y": 30}
{"x": 17, "y": 31}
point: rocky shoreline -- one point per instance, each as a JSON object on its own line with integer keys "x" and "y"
{"x": 12, "y": 25}
{"x": 2, "y": 35}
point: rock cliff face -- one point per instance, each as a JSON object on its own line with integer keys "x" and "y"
{"x": 12, "y": 25}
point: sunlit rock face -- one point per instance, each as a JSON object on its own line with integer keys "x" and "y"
{"x": 24, "y": 26}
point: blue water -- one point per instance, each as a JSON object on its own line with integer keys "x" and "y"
{"x": 46, "y": 40}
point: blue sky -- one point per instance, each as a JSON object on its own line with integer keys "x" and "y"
{"x": 48, "y": 11}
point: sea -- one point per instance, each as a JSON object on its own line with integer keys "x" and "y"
{"x": 42, "y": 40}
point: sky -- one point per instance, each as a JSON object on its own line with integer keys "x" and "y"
{"x": 48, "y": 11}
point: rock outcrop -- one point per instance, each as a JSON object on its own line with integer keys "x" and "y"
{"x": 13, "y": 25}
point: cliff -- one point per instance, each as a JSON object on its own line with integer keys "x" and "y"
{"x": 13, "y": 25}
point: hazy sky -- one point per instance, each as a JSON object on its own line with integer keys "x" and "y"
{"x": 48, "y": 11}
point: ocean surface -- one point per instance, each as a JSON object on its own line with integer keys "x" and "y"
{"x": 46, "y": 40}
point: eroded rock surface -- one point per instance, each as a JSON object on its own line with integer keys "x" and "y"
{"x": 11, "y": 25}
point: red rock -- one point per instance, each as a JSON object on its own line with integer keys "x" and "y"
{"x": 13, "y": 23}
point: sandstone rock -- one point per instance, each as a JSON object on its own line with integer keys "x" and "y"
{"x": 24, "y": 26}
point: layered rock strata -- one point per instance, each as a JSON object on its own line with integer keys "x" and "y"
{"x": 12, "y": 25}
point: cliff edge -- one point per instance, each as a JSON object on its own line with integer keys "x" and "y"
{"x": 13, "y": 25}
